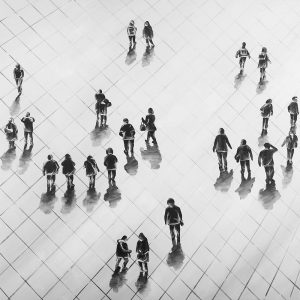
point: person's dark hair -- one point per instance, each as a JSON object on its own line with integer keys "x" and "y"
{"x": 100, "y": 91}
{"x": 124, "y": 237}
{"x": 269, "y": 101}
{"x": 142, "y": 236}
{"x": 243, "y": 44}
{"x": 244, "y": 142}
{"x": 222, "y": 131}
{"x": 49, "y": 156}
{"x": 109, "y": 151}
{"x": 267, "y": 145}
{"x": 295, "y": 98}
{"x": 147, "y": 23}
{"x": 150, "y": 110}
{"x": 170, "y": 201}
{"x": 264, "y": 49}
{"x": 67, "y": 156}
{"x": 125, "y": 120}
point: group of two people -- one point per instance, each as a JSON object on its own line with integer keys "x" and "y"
{"x": 147, "y": 34}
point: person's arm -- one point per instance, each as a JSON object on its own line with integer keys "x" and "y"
{"x": 271, "y": 111}
{"x": 121, "y": 131}
{"x": 215, "y": 144}
{"x": 97, "y": 167}
{"x": 227, "y": 141}
{"x": 250, "y": 152}
{"x": 237, "y": 155}
{"x": 237, "y": 54}
{"x": 132, "y": 131}
{"x": 259, "y": 159}
{"x": 128, "y": 31}
{"x": 44, "y": 169}
{"x": 179, "y": 213}
{"x": 297, "y": 109}
{"x": 248, "y": 54}
{"x": 166, "y": 215}
{"x": 284, "y": 142}
{"x": 274, "y": 148}
{"x": 22, "y": 73}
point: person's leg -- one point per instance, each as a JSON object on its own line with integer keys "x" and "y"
{"x": 48, "y": 179}
{"x": 172, "y": 233}
{"x": 126, "y": 146}
{"x": 118, "y": 262}
{"x": 150, "y": 40}
{"x": 130, "y": 41}
{"x": 146, "y": 267}
{"x": 109, "y": 172}
{"x": 126, "y": 260}
{"x": 31, "y": 137}
{"x": 248, "y": 168}
{"x": 267, "y": 123}
{"x": 220, "y": 161}
{"x": 133, "y": 39}
{"x": 225, "y": 160}
{"x": 140, "y": 265}
{"x": 292, "y": 154}
{"x": 288, "y": 155}
{"x": 26, "y": 136}
{"x": 132, "y": 146}
{"x": 104, "y": 119}
{"x": 114, "y": 172}
{"x": 153, "y": 137}
{"x": 242, "y": 162}
{"x": 267, "y": 173}
{"x": 148, "y": 136}
{"x": 272, "y": 172}
{"x": 147, "y": 41}
{"x": 177, "y": 229}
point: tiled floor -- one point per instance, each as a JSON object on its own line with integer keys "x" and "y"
{"x": 237, "y": 243}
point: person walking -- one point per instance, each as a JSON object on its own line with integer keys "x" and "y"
{"x": 91, "y": 169}
{"x": 266, "y": 112}
{"x": 131, "y": 32}
{"x": 68, "y": 169}
{"x": 242, "y": 54}
{"x": 142, "y": 250}
{"x": 263, "y": 61}
{"x": 28, "y": 127}
{"x": 110, "y": 162}
{"x": 265, "y": 158}
{"x": 148, "y": 34}
{"x": 122, "y": 253}
{"x": 101, "y": 110}
{"x": 50, "y": 169}
{"x": 11, "y": 132}
{"x": 291, "y": 142}
{"x": 127, "y": 132}
{"x": 149, "y": 123}
{"x": 243, "y": 155}
{"x": 293, "y": 111}
{"x": 19, "y": 75}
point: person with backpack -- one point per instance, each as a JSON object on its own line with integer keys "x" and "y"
{"x": 131, "y": 32}
{"x": 68, "y": 169}
{"x": 19, "y": 75}
{"x": 127, "y": 132}
{"x": 265, "y": 158}
{"x": 243, "y": 155}
{"x": 291, "y": 142}
{"x": 148, "y": 34}
{"x": 263, "y": 60}
{"x": 266, "y": 112}
{"x": 242, "y": 53}
{"x": 142, "y": 250}
{"x": 149, "y": 123}
{"x": 50, "y": 169}
{"x": 110, "y": 162}
{"x": 122, "y": 253}
{"x": 293, "y": 111}
{"x": 91, "y": 169}
{"x": 11, "y": 132}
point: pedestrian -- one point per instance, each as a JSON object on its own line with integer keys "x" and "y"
{"x": 243, "y": 155}
{"x": 11, "y": 132}
{"x": 265, "y": 158}
{"x": 68, "y": 170}
{"x": 242, "y": 53}
{"x": 127, "y": 132}
{"x": 50, "y": 169}
{"x": 110, "y": 162}
{"x": 148, "y": 34}
{"x": 122, "y": 253}
{"x": 220, "y": 146}
{"x": 173, "y": 218}
{"x": 293, "y": 110}
{"x": 266, "y": 112}
{"x": 91, "y": 169}
{"x": 101, "y": 110}
{"x": 149, "y": 123}
{"x": 263, "y": 60}
{"x": 142, "y": 250}
{"x": 19, "y": 75}
{"x": 131, "y": 32}
{"x": 291, "y": 142}
{"x": 28, "y": 127}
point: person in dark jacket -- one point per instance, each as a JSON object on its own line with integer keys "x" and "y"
{"x": 142, "y": 250}
{"x": 68, "y": 169}
{"x": 291, "y": 142}
{"x": 50, "y": 169}
{"x": 91, "y": 169}
{"x": 265, "y": 158}
{"x": 11, "y": 132}
{"x": 101, "y": 110}
{"x": 122, "y": 252}
{"x": 243, "y": 155}
{"x": 148, "y": 34}
{"x": 220, "y": 146}
{"x": 131, "y": 32}
{"x": 149, "y": 122}
{"x": 263, "y": 61}
{"x": 266, "y": 112}
{"x": 110, "y": 162}
{"x": 19, "y": 75}
{"x": 242, "y": 53}
{"x": 293, "y": 110}
{"x": 173, "y": 218}
{"x": 28, "y": 127}
{"x": 127, "y": 132}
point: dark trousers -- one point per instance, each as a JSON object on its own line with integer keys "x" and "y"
{"x": 30, "y": 134}
{"x": 141, "y": 264}
{"x": 175, "y": 230}
{"x": 50, "y": 181}
{"x": 92, "y": 181}
{"x": 149, "y": 41}
{"x": 265, "y": 123}
{"x": 293, "y": 119}
{"x": 222, "y": 159}
{"x": 112, "y": 174}
{"x": 242, "y": 62}
{"x": 245, "y": 164}
{"x": 70, "y": 179}
{"x": 127, "y": 144}
{"x": 269, "y": 172}
{"x": 290, "y": 154}
{"x": 132, "y": 40}
{"x": 151, "y": 134}
{"x": 19, "y": 82}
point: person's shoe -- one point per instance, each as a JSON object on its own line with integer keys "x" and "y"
{"x": 125, "y": 269}
{"x": 126, "y": 152}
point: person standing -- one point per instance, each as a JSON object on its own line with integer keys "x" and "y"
{"x": 266, "y": 112}
{"x": 91, "y": 169}
{"x": 242, "y": 53}
{"x": 50, "y": 169}
{"x": 68, "y": 170}
{"x": 293, "y": 111}
{"x": 101, "y": 109}
{"x": 149, "y": 122}
{"x": 19, "y": 75}
{"x": 148, "y": 34}
{"x": 265, "y": 158}
{"x": 243, "y": 155}
{"x": 142, "y": 250}
{"x": 28, "y": 127}
{"x": 173, "y": 218}
{"x": 263, "y": 60}
{"x": 11, "y": 132}
{"x": 122, "y": 253}
{"x": 131, "y": 32}
{"x": 220, "y": 146}
{"x": 110, "y": 162}
{"x": 127, "y": 132}
{"x": 291, "y": 142}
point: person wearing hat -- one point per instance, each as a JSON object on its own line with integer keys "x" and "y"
{"x": 68, "y": 169}
{"x": 131, "y": 32}
{"x": 291, "y": 142}
{"x": 50, "y": 169}
{"x": 19, "y": 75}
{"x": 243, "y": 155}
{"x": 293, "y": 110}
{"x": 127, "y": 132}
{"x": 91, "y": 169}
{"x": 266, "y": 112}
{"x": 242, "y": 53}
{"x": 122, "y": 253}
{"x": 11, "y": 132}
{"x": 110, "y": 162}
{"x": 142, "y": 250}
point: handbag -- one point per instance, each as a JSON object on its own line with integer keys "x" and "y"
{"x": 142, "y": 127}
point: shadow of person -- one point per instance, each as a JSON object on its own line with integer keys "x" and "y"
{"x": 8, "y": 158}
{"x": 118, "y": 279}
{"x": 245, "y": 187}
{"x": 261, "y": 86}
{"x": 112, "y": 195}
{"x": 131, "y": 56}
{"x": 287, "y": 172}
{"x": 175, "y": 258}
{"x": 263, "y": 138}
{"x": 147, "y": 56}
{"x": 47, "y": 202}
{"x": 269, "y": 195}
{"x": 238, "y": 80}
{"x": 91, "y": 199}
{"x": 25, "y": 159}
{"x": 152, "y": 154}
{"x": 15, "y": 107}
{"x": 132, "y": 165}
{"x": 223, "y": 182}
{"x": 99, "y": 134}
{"x": 68, "y": 201}
{"x": 141, "y": 283}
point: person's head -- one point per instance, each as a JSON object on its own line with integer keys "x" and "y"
{"x": 171, "y": 202}
{"x": 131, "y": 23}
{"x": 150, "y": 111}
{"x": 147, "y": 23}
{"x": 269, "y": 101}
{"x": 109, "y": 151}
{"x": 18, "y": 66}
{"x": 141, "y": 237}
{"x": 264, "y": 50}
{"x": 124, "y": 238}
{"x": 267, "y": 145}
{"x": 243, "y": 44}
{"x": 125, "y": 121}
{"x": 89, "y": 158}
{"x": 295, "y": 98}
{"x": 28, "y": 114}
{"x": 49, "y": 157}
{"x": 100, "y": 91}
{"x": 67, "y": 156}
{"x": 221, "y": 131}
{"x": 10, "y": 120}
{"x": 243, "y": 142}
